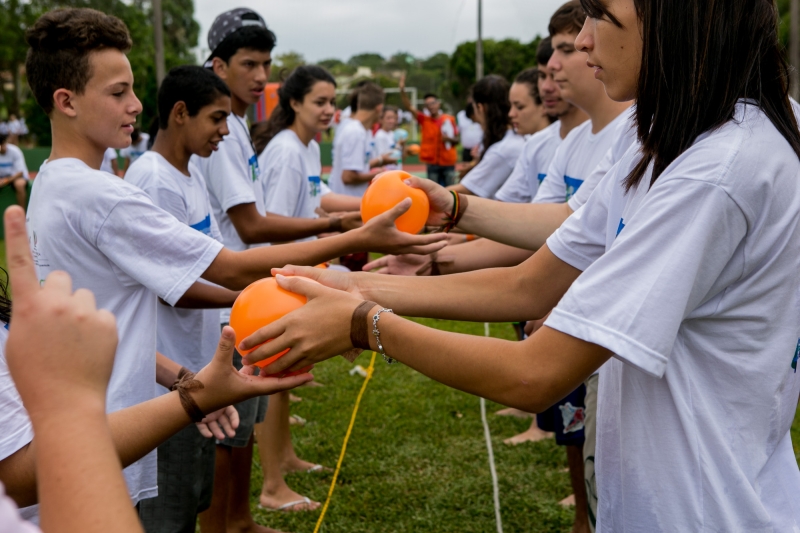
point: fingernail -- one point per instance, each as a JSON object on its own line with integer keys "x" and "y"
{"x": 407, "y": 182}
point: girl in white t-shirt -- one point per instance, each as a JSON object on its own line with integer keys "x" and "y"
{"x": 385, "y": 141}
{"x": 678, "y": 276}
{"x": 501, "y": 144}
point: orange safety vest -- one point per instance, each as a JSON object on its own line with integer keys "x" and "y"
{"x": 432, "y": 149}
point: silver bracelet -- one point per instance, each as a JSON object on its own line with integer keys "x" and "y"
{"x": 375, "y": 331}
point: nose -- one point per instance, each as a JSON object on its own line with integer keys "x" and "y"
{"x": 583, "y": 42}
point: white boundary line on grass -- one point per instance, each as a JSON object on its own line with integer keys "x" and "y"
{"x": 487, "y": 434}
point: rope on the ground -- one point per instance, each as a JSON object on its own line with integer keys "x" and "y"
{"x": 370, "y": 370}
{"x": 488, "y": 436}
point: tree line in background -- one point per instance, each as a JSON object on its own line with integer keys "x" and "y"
{"x": 449, "y": 76}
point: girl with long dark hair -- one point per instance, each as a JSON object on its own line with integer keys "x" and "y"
{"x": 501, "y": 144}
{"x": 679, "y": 277}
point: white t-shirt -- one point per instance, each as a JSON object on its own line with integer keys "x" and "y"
{"x": 495, "y": 166}
{"x": 531, "y": 166}
{"x": 575, "y": 159}
{"x": 187, "y": 336}
{"x": 13, "y": 161}
{"x": 108, "y": 158}
{"x": 290, "y": 176}
{"x": 135, "y": 151}
{"x": 351, "y": 150}
{"x": 693, "y": 285}
{"x": 17, "y": 430}
{"x": 111, "y": 239}
{"x": 471, "y": 132}
{"x": 231, "y": 175}
{"x": 384, "y": 142}
{"x": 10, "y": 519}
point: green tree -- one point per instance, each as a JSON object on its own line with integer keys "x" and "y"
{"x": 371, "y": 60}
{"x": 284, "y": 64}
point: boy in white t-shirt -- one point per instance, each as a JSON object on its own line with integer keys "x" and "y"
{"x": 138, "y": 147}
{"x": 385, "y": 141}
{"x": 110, "y": 162}
{"x": 104, "y": 232}
{"x": 13, "y": 170}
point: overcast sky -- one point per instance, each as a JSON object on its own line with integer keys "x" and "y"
{"x": 322, "y": 29}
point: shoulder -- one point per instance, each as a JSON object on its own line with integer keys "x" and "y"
{"x": 14, "y": 150}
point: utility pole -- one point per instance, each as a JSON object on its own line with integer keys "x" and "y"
{"x": 158, "y": 34}
{"x": 479, "y": 43}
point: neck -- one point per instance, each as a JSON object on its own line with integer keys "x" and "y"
{"x": 238, "y": 106}
{"x": 602, "y": 110}
{"x": 303, "y": 133}
{"x": 571, "y": 120}
{"x": 169, "y": 145}
{"x": 365, "y": 117}
{"x": 70, "y": 143}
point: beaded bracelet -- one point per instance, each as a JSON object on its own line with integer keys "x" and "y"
{"x": 375, "y": 331}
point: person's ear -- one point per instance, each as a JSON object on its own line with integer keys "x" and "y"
{"x": 63, "y": 102}
{"x": 295, "y": 105}
{"x": 220, "y": 68}
{"x": 179, "y": 113}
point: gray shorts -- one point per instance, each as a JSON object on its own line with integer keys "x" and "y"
{"x": 185, "y": 483}
{"x": 251, "y": 412}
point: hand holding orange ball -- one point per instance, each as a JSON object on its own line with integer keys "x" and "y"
{"x": 259, "y": 304}
{"x": 389, "y": 189}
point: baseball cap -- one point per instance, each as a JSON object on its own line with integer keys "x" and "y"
{"x": 230, "y": 21}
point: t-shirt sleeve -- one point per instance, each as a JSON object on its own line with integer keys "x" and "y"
{"x": 154, "y": 248}
{"x": 663, "y": 264}
{"x": 553, "y": 190}
{"x": 284, "y": 186}
{"x": 353, "y": 150}
{"x": 488, "y": 175}
{"x": 171, "y": 202}
{"x": 589, "y": 184}
{"x": 517, "y": 187}
{"x": 17, "y": 428}
{"x": 227, "y": 175}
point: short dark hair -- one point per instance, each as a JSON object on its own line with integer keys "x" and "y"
{"x": 429, "y": 95}
{"x": 568, "y": 18}
{"x": 388, "y": 108}
{"x": 530, "y": 77}
{"x": 249, "y": 37}
{"x": 60, "y": 43}
{"x": 3, "y": 137}
{"x": 195, "y": 86}
{"x": 370, "y": 96}
{"x": 544, "y": 51}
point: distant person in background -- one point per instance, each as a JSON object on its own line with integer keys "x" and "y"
{"x": 439, "y": 137}
{"x": 386, "y": 142}
{"x": 16, "y": 129}
{"x": 13, "y": 170}
{"x": 471, "y": 132}
{"x": 109, "y": 163}
{"x": 139, "y": 145}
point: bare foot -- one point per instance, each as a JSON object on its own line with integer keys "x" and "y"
{"x": 274, "y": 502}
{"x": 513, "y": 411}
{"x": 297, "y": 420}
{"x": 569, "y": 501}
{"x": 532, "y": 434}
{"x": 295, "y": 464}
{"x": 294, "y": 399}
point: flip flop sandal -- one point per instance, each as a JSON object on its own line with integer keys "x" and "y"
{"x": 287, "y": 507}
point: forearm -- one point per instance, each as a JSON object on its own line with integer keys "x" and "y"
{"x": 528, "y": 375}
{"x": 502, "y": 222}
{"x": 480, "y": 254}
{"x": 352, "y": 177}
{"x": 166, "y": 370}
{"x": 278, "y": 228}
{"x": 78, "y": 468}
{"x": 335, "y": 203}
{"x": 205, "y": 296}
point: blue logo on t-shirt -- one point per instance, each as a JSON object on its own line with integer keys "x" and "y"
{"x": 620, "y": 227}
{"x": 573, "y": 184}
{"x": 253, "y": 162}
{"x": 541, "y": 178}
{"x": 796, "y": 356}
{"x": 314, "y": 187}
{"x": 204, "y": 226}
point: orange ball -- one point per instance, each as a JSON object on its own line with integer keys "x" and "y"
{"x": 260, "y": 304}
{"x": 386, "y": 191}
{"x": 413, "y": 149}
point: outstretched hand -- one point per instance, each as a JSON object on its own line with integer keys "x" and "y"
{"x": 315, "y": 332}
{"x": 219, "y": 424}
{"x": 54, "y": 327}
{"x": 439, "y": 198}
{"x": 381, "y": 235}
{"x": 399, "y": 265}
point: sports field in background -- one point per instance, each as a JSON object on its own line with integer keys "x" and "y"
{"x": 417, "y": 459}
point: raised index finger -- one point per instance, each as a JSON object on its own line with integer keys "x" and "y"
{"x": 21, "y": 271}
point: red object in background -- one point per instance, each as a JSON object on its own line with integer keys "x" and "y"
{"x": 268, "y": 101}
{"x": 260, "y": 304}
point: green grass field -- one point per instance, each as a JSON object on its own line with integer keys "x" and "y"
{"x": 417, "y": 457}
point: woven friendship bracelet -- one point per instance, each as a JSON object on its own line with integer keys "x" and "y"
{"x": 185, "y": 384}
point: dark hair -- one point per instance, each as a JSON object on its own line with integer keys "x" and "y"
{"x": 249, "y": 37}
{"x": 369, "y": 96}
{"x": 391, "y": 108}
{"x": 492, "y": 92}
{"x": 719, "y": 53}
{"x": 136, "y": 134}
{"x": 194, "y": 86}
{"x": 530, "y": 77}
{"x": 544, "y": 51}
{"x": 469, "y": 110}
{"x": 299, "y": 83}
{"x": 568, "y": 18}
{"x": 429, "y": 95}
{"x": 352, "y": 98}
{"x": 5, "y": 301}
{"x": 153, "y": 131}
{"x": 60, "y": 43}
{"x": 3, "y": 137}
